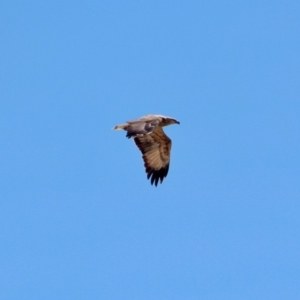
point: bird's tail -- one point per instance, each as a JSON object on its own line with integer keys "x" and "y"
{"x": 120, "y": 127}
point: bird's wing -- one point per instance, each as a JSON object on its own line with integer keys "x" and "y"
{"x": 156, "y": 150}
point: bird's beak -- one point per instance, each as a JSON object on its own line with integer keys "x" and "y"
{"x": 177, "y": 122}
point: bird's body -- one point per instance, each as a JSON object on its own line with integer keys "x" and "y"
{"x": 154, "y": 144}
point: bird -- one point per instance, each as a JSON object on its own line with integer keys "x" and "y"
{"x": 153, "y": 143}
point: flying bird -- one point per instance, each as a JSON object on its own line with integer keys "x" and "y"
{"x": 154, "y": 144}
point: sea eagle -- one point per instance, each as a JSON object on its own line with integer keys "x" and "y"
{"x": 154, "y": 144}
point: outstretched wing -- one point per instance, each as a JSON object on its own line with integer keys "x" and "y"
{"x": 156, "y": 150}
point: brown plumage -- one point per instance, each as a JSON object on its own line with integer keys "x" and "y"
{"x": 154, "y": 144}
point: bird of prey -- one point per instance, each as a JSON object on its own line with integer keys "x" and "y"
{"x": 154, "y": 144}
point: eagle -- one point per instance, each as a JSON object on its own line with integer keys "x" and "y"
{"x": 154, "y": 144}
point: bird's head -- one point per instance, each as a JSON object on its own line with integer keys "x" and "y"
{"x": 170, "y": 121}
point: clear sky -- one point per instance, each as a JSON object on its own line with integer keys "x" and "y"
{"x": 78, "y": 217}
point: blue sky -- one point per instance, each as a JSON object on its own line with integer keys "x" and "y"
{"x": 79, "y": 219}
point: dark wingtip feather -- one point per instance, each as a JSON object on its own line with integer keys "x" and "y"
{"x": 157, "y": 175}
